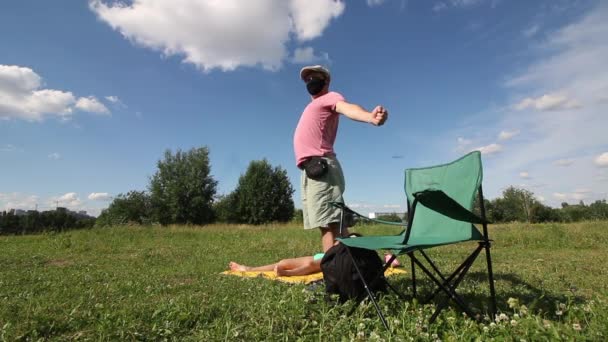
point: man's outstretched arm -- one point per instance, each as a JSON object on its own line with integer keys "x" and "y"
{"x": 376, "y": 117}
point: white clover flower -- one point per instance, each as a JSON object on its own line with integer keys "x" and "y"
{"x": 361, "y": 326}
{"x": 502, "y": 317}
{"x": 486, "y": 329}
{"x": 396, "y": 322}
{"x": 492, "y": 325}
{"x": 559, "y": 312}
{"x": 360, "y": 334}
{"x": 546, "y": 324}
{"x": 513, "y": 302}
{"x": 513, "y": 322}
{"x": 523, "y": 310}
{"x": 515, "y": 316}
{"x": 576, "y": 327}
{"x": 562, "y": 305}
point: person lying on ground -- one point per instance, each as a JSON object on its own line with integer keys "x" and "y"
{"x": 296, "y": 266}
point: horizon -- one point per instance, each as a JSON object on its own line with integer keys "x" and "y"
{"x": 93, "y": 93}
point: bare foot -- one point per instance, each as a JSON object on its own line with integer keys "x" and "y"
{"x": 237, "y": 267}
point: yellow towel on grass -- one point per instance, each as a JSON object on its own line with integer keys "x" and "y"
{"x": 307, "y": 279}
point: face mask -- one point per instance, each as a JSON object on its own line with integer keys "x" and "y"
{"x": 315, "y": 85}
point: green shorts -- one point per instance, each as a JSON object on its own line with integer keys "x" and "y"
{"x": 318, "y": 194}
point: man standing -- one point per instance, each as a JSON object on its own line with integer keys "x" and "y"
{"x": 322, "y": 180}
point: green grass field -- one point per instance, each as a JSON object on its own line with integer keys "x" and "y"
{"x": 152, "y": 283}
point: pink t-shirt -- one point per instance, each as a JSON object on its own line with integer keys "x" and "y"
{"x": 317, "y": 128}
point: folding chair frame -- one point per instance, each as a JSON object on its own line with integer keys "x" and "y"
{"x": 446, "y": 285}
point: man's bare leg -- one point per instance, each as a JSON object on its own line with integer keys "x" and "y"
{"x": 329, "y": 235}
{"x": 238, "y": 267}
{"x": 298, "y": 266}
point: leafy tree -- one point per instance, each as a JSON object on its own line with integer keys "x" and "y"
{"x": 598, "y": 210}
{"x": 391, "y": 217}
{"x": 134, "y": 207}
{"x": 182, "y": 189}
{"x": 263, "y": 194}
{"x": 541, "y": 213}
{"x": 225, "y": 208}
{"x": 298, "y": 216}
{"x": 574, "y": 212}
{"x": 515, "y": 205}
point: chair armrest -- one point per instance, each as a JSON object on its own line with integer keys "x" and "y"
{"x": 440, "y": 202}
{"x": 348, "y": 210}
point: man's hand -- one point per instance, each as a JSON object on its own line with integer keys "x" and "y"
{"x": 379, "y": 116}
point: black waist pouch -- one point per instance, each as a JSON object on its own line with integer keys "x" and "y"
{"x": 316, "y": 167}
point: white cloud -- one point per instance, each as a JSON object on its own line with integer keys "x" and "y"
{"x": 563, "y": 162}
{"x": 463, "y": 144}
{"x": 463, "y": 141}
{"x": 21, "y": 96}
{"x": 540, "y": 198}
{"x": 7, "y": 148}
{"x": 548, "y": 102}
{"x": 223, "y": 34}
{"x": 602, "y": 160}
{"x": 373, "y": 3}
{"x": 531, "y": 31}
{"x": 443, "y": 5}
{"x": 100, "y": 196}
{"x": 307, "y": 55}
{"x": 524, "y": 175}
{"x": 439, "y": 6}
{"x": 54, "y": 156}
{"x": 560, "y": 196}
{"x": 507, "y": 135}
{"x": 113, "y": 99}
{"x": 30, "y": 202}
{"x": 69, "y": 200}
{"x": 489, "y": 149}
{"x": 92, "y": 105}
{"x": 311, "y": 17}
{"x": 17, "y": 200}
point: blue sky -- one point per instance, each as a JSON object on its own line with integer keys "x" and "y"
{"x": 92, "y": 92}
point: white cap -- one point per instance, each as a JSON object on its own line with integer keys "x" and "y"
{"x": 318, "y": 68}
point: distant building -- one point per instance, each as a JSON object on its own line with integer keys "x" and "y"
{"x": 375, "y": 215}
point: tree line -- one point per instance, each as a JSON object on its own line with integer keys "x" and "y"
{"x": 183, "y": 191}
{"x": 522, "y": 206}
{"x": 35, "y": 222}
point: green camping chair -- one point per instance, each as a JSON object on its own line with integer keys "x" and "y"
{"x": 440, "y": 202}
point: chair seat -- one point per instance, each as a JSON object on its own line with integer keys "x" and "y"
{"x": 392, "y": 242}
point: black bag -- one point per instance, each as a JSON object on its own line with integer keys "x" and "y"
{"x": 316, "y": 167}
{"x": 341, "y": 277}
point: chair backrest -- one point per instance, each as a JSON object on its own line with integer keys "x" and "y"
{"x": 460, "y": 180}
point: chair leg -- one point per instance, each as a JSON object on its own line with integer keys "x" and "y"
{"x": 469, "y": 260}
{"x": 491, "y": 280}
{"x": 386, "y": 266}
{"x": 451, "y": 293}
{"x": 369, "y": 292}
{"x": 411, "y": 255}
{"x": 463, "y": 271}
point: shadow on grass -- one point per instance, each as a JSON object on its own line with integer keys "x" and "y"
{"x": 475, "y": 292}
